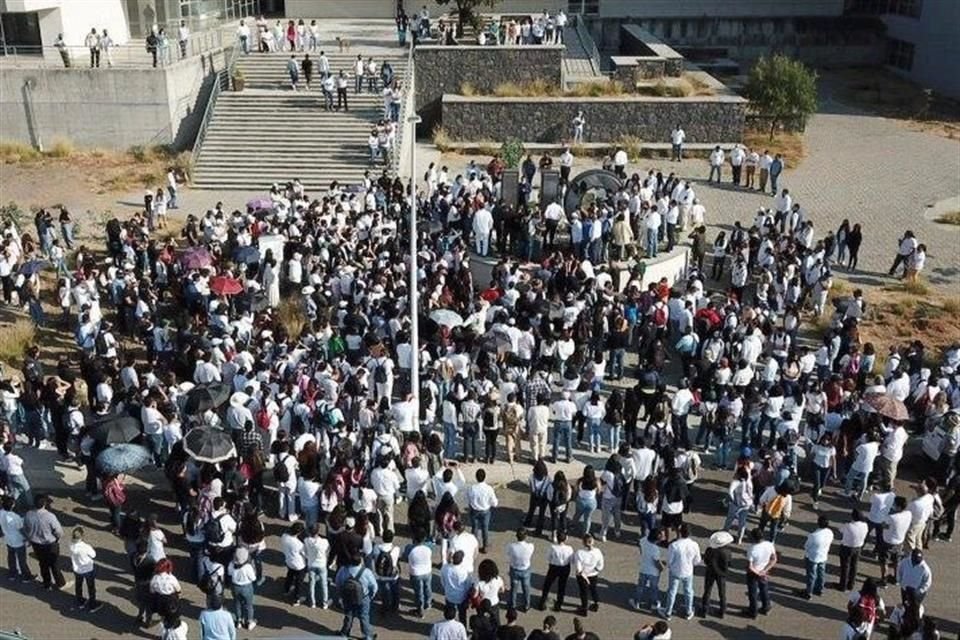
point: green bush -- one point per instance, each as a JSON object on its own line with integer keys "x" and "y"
{"x": 512, "y": 152}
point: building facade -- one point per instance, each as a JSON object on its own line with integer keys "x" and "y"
{"x": 923, "y": 40}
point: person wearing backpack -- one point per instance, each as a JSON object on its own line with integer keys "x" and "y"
{"x": 386, "y": 565}
{"x": 115, "y": 495}
{"x": 611, "y": 497}
{"x": 219, "y": 532}
{"x": 358, "y": 588}
{"x": 776, "y": 505}
{"x": 212, "y": 576}
{"x": 867, "y": 607}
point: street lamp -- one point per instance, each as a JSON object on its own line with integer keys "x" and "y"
{"x": 414, "y": 296}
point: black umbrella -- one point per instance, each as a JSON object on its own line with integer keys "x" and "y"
{"x": 207, "y": 396}
{"x": 205, "y": 444}
{"x": 116, "y": 429}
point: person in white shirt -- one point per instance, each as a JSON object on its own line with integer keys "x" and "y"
{"x": 737, "y": 158}
{"x": 579, "y": 122}
{"x": 243, "y": 576}
{"x": 921, "y": 510}
{"x": 295, "y": 559}
{"x": 683, "y": 555}
{"x": 761, "y": 559}
{"x": 865, "y": 455}
{"x": 913, "y": 573}
{"x": 853, "y": 535}
{"x": 891, "y": 452}
{"x": 620, "y": 160}
{"x": 765, "y": 161}
{"x": 677, "y": 137}
{"x": 816, "y": 552}
{"x": 82, "y": 556}
{"x": 651, "y": 566}
{"x": 716, "y": 163}
{"x": 894, "y": 532}
{"x": 481, "y": 499}
{"x": 243, "y": 33}
{"x": 385, "y": 481}
{"x": 449, "y": 628}
{"x": 11, "y": 524}
{"x": 589, "y": 563}
{"x": 183, "y": 37}
{"x": 519, "y": 555}
{"x": 420, "y": 563}
{"x": 908, "y": 244}
{"x": 317, "y": 549}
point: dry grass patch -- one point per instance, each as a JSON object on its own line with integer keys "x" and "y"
{"x": 950, "y": 218}
{"x": 789, "y": 145}
{"x": 633, "y": 145}
{"x": 467, "y": 89}
{"x": 906, "y": 312}
{"x": 597, "y": 89}
{"x": 14, "y": 340}
{"x": 441, "y": 139}
{"x": 291, "y": 315}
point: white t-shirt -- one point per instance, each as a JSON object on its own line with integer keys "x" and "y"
{"x": 490, "y": 590}
{"x": 759, "y": 554}
{"x": 81, "y": 557}
{"x": 650, "y": 553}
{"x": 294, "y": 554}
{"x": 866, "y": 454}
{"x": 854, "y": 534}
{"x": 519, "y": 555}
{"x": 817, "y": 547}
{"x": 897, "y": 525}
{"x": 682, "y": 556}
{"x": 420, "y": 560}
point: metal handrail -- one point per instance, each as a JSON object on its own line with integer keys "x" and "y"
{"x": 408, "y": 108}
{"x": 589, "y": 45}
{"x": 223, "y": 77}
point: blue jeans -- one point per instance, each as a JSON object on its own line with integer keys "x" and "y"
{"x": 856, "y": 479}
{"x": 172, "y": 202}
{"x": 676, "y": 584}
{"x": 90, "y": 577}
{"x": 245, "y": 44}
{"x": 317, "y": 576}
{"x": 750, "y": 431}
{"x": 562, "y": 428}
{"x": 615, "y": 431}
{"x": 469, "y": 440}
{"x": 723, "y": 450}
{"x": 816, "y": 572}
{"x": 449, "y": 440}
{"x": 652, "y": 243}
{"x": 17, "y": 562}
{"x": 310, "y": 514}
{"x": 196, "y": 559}
{"x": 648, "y": 591}
{"x": 480, "y": 520}
{"x": 596, "y": 432}
{"x": 819, "y": 480}
{"x": 715, "y": 170}
{"x": 739, "y": 514}
{"x": 519, "y": 581}
{"x": 363, "y": 613}
{"x": 20, "y": 490}
{"x": 389, "y": 593}
{"x": 616, "y": 362}
{"x": 155, "y": 442}
{"x": 243, "y": 603}
{"x": 757, "y": 588}
{"x": 422, "y": 591}
{"x": 584, "y": 513}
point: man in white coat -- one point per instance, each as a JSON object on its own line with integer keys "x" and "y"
{"x": 482, "y": 226}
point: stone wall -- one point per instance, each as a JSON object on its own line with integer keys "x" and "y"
{"x": 111, "y": 108}
{"x": 705, "y": 120}
{"x": 442, "y": 70}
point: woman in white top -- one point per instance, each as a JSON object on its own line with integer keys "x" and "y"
{"x": 295, "y": 558}
{"x": 164, "y": 587}
{"x": 317, "y": 549}
{"x": 719, "y": 255}
{"x": 824, "y": 457}
{"x": 308, "y": 491}
{"x": 243, "y": 576}
{"x": 489, "y": 585}
{"x": 155, "y": 539}
{"x": 593, "y": 412}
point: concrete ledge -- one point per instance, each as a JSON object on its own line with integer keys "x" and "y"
{"x": 648, "y": 149}
{"x": 672, "y": 266}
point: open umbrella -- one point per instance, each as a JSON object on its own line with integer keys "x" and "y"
{"x": 246, "y": 255}
{"x": 446, "y": 318}
{"x": 30, "y": 267}
{"x": 204, "y": 444}
{"x": 888, "y": 407}
{"x": 116, "y": 429}
{"x": 225, "y": 286}
{"x": 263, "y": 202}
{"x": 207, "y": 396}
{"x": 123, "y": 458}
{"x": 195, "y": 258}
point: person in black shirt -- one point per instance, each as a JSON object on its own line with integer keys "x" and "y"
{"x": 579, "y": 633}
{"x": 546, "y": 632}
{"x": 511, "y": 630}
{"x": 717, "y": 561}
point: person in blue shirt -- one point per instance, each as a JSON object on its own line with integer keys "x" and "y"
{"x": 358, "y": 605}
{"x": 215, "y": 623}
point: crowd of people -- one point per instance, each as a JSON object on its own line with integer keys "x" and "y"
{"x": 286, "y": 325}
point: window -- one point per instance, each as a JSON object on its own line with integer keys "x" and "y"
{"x": 900, "y": 54}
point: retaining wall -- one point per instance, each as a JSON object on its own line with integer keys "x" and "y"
{"x": 442, "y": 70}
{"x": 705, "y": 120}
{"x": 110, "y": 108}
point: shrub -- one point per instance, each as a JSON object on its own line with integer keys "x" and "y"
{"x": 952, "y": 217}
{"x": 467, "y": 89}
{"x": 14, "y": 152}
{"x": 61, "y": 148}
{"x": 782, "y": 88}
{"x": 14, "y": 340}
{"x": 182, "y": 163}
{"x": 139, "y": 153}
{"x": 633, "y": 145}
{"x": 535, "y": 89}
{"x": 511, "y": 152}
{"x": 488, "y": 148}
{"x": 952, "y": 306}
{"x": 441, "y": 139}
{"x": 597, "y": 88}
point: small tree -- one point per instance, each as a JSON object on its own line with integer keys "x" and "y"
{"x": 782, "y": 88}
{"x": 466, "y": 10}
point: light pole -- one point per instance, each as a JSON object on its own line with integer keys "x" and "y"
{"x": 414, "y": 296}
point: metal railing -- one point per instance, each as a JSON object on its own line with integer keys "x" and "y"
{"x": 587, "y": 42}
{"x": 219, "y": 84}
{"x": 134, "y": 54}
{"x": 407, "y": 111}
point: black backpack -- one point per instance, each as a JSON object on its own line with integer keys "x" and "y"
{"x": 619, "y": 485}
{"x": 280, "y": 471}
{"x": 352, "y": 591}
{"x": 384, "y": 565}
{"x": 213, "y": 530}
{"x": 208, "y": 582}
{"x": 380, "y": 374}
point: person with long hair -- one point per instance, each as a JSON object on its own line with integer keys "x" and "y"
{"x": 164, "y": 589}
{"x": 539, "y": 483}
{"x": 419, "y": 515}
{"x": 587, "y": 488}
{"x": 558, "y": 497}
{"x": 445, "y": 517}
{"x": 489, "y": 586}
{"x": 251, "y": 536}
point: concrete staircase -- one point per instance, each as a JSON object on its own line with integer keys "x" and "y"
{"x": 268, "y": 133}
